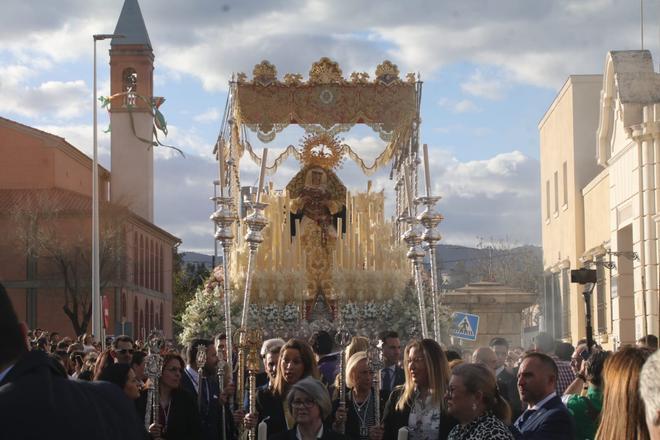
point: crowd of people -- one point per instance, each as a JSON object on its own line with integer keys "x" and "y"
{"x": 52, "y": 387}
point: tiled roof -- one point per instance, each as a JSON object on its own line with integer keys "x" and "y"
{"x": 52, "y": 198}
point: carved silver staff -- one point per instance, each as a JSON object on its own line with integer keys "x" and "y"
{"x": 224, "y": 218}
{"x": 153, "y": 369}
{"x": 343, "y": 338}
{"x": 221, "y": 386}
{"x": 253, "y": 342}
{"x": 375, "y": 364}
{"x": 256, "y": 223}
{"x": 413, "y": 239}
{"x": 201, "y": 361}
{"x": 430, "y": 219}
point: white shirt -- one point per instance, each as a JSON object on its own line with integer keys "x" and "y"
{"x": 392, "y": 369}
{"x": 540, "y": 404}
{"x": 318, "y": 434}
{"x": 194, "y": 377}
{"x": 6, "y": 371}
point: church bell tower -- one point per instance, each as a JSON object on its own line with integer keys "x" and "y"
{"x": 131, "y": 121}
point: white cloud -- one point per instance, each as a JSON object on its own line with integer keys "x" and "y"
{"x": 210, "y": 115}
{"x": 460, "y": 106}
{"x": 50, "y": 99}
{"x": 483, "y": 86}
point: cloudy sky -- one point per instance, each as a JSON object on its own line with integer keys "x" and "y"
{"x": 490, "y": 70}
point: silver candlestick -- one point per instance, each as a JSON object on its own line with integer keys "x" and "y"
{"x": 256, "y": 223}
{"x": 224, "y": 219}
{"x": 413, "y": 238}
{"x": 376, "y": 364}
{"x": 430, "y": 219}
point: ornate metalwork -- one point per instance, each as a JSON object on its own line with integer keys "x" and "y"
{"x": 224, "y": 219}
{"x": 413, "y": 238}
{"x": 430, "y": 219}
{"x": 153, "y": 369}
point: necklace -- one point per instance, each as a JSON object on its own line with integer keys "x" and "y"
{"x": 166, "y": 413}
{"x": 362, "y": 410}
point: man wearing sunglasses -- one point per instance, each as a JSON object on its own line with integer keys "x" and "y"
{"x": 122, "y": 349}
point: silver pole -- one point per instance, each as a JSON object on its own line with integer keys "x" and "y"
{"x": 96, "y": 291}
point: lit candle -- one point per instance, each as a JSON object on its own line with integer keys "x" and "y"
{"x": 262, "y": 431}
{"x": 403, "y": 433}
{"x": 427, "y": 172}
{"x": 262, "y": 173}
{"x": 221, "y": 166}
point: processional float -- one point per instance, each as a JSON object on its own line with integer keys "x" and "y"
{"x": 324, "y": 106}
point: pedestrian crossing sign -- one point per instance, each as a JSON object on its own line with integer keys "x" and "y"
{"x": 465, "y": 326}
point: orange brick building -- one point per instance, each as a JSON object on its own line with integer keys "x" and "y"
{"x": 46, "y": 197}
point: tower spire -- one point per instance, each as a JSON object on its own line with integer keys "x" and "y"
{"x": 131, "y": 25}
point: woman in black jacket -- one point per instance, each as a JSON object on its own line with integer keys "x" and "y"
{"x": 419, "y": 404}
{"x": 358, "y": 419}
{"x": 296, "y": 362}
{"x": 178, "y": 416}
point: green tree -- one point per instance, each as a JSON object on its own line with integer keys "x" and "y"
{"x": 188, "y": 278}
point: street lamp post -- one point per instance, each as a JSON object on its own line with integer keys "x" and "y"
{"x": 96, "y": 278}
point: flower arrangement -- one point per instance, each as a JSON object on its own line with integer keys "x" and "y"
{"x": 290, "y": 313}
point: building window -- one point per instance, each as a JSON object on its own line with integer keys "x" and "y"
{"x": 135, "y": 258}
{"x": 136, "y": 323}
{"x": 556, "y": 178}
{"x": 161, "y": 316}
{"x": 141, "y": 328}
{"x": 150, "y": 317}
{"x": 601, "y": 304}
{"x": 161, "y": 277}
{"x": 152, "y": 276}
{"x": 565, "y": 304}
{"x": 141, "y": 259}
{"x": 547, "y": 200}
{"x": 565, "y": 182}
{"x": 123, "y": 305}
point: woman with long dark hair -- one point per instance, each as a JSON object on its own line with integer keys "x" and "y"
{"x": 296, "y": 362}
{"x": 419, "y": 404}
{"x": 178, "y": 416}
{"x": 124, "y": 377}
{"x": 474, "y": 400}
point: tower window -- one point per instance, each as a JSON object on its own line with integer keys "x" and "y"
{"x": 129, "y": 85}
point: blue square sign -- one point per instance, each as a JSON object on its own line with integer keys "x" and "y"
{"x": 465, "y": 326}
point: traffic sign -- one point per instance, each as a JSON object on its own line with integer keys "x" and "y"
{"x": 465, "y": 326}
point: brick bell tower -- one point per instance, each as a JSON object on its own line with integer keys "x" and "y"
{"x": 131, "y": 122}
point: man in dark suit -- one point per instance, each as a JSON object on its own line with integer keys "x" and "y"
{"x": 206, "y": 390}
{"x": 37, "y": 400}
{"x": 392, "y": 374}
{"x": 506, "y": 379}
{"x": 546, "y": 417}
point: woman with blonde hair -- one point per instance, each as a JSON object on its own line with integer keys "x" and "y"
{"x": 419, "y": 404}
{"x": 358, "y": 419}
{"x": 475, "y": 401}
{"x": 296, "y": 362}
{"x": 622, "y": 416}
